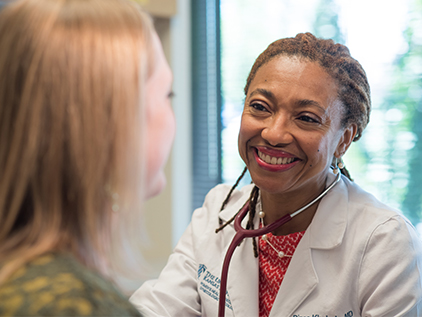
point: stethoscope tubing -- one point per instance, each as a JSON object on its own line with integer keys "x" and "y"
{"x": 242, "y": 233}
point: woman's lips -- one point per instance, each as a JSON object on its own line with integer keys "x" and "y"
{"x": 274, "y": 161}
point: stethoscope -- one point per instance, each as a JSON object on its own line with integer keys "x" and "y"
{"x": 242, "y": 233}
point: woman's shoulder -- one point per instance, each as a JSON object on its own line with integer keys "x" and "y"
{"x": 371, "y": 211}
{"x": 57, "y": 284}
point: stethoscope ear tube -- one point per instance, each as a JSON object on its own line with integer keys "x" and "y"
{"x": 242, "y": 233}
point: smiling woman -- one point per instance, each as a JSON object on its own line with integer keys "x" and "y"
{"x": 342, "y": 252}
{"x": 292, "y": 111}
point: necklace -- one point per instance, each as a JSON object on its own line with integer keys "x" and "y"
{"x": 264, "y": 237}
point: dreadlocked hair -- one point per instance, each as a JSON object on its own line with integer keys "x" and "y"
{"x": 353, "y": 91}
{"x": 226, "y": 200}
{"x": 253, "y": 200}
{"x": 346, "y": 173}
{"x": 223, "y": 205}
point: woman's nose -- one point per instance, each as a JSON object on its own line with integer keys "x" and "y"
{"x": 278, "y": 131}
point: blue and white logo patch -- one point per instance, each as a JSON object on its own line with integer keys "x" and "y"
{"x": 209, "y": 284}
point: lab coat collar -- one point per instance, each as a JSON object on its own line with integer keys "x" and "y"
{"x": 329, "y": 224}
{"x": 331, "y": 213}
{"x": 236, "y": 202}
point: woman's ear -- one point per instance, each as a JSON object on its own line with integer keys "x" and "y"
{"x": 345, "y": 140}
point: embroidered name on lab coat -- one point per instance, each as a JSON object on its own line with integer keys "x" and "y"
{"x": 210, "y": 285}
{"x": 348, "y": 314}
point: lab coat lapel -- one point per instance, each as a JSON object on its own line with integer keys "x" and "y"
{"x": 300, "y": 280}
{"x": 330, "y": 221}
{"x": 325, "y": 232}
{"x": 243, "y": 279}
{"x": 242, "y": 283}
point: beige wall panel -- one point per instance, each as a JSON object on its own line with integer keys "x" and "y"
{"x": 159, "y": 8}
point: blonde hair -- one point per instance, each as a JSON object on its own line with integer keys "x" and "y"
{"x": 72, "y": 74}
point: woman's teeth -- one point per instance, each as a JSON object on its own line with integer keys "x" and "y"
{"x": 275, "y": 160}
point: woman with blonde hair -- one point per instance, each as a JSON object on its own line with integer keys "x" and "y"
{"x": 82, "y": 84}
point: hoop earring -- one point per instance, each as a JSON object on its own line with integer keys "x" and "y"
{"x": 338, "y": 164}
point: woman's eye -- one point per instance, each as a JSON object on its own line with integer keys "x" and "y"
{"x": 258, "y": 106}
{"x": 308, "y": 119}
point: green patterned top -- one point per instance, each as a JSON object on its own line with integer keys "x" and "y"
{"x": 58, "y": 285}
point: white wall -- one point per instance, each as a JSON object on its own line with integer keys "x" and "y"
{"x": 182, "y": 151}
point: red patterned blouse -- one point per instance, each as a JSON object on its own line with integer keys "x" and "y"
{"x": 272, "y": 268}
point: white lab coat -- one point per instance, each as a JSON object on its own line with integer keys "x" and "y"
{"x": 358, "y": 257}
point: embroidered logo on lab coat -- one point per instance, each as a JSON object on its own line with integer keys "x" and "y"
{"x": 210, "y": 285}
